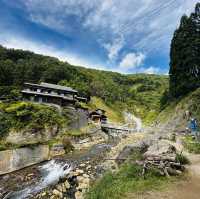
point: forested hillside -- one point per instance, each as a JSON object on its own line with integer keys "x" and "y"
{"x": 138, "y": 93}
{"x": 185, "y": 55}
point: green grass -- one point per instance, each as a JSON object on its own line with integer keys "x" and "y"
{"x": 127, "y": 180}
{"x": 193, "y": 146}
{"x": 182, "y": 159}
{"x": 176, "y": 109}
{"x": 113, "y": 114}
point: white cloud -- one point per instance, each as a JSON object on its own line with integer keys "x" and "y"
{"x": 152, "y": 70}
{"x": 114, "y": 48}
{"x": 143, "y": 24}
{"x": 132, "y": 60}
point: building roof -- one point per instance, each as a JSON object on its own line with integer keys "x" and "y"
{"x": 47, "y": 94}
{"x": 52, "y": 86}
{"x": 55, "y": 86}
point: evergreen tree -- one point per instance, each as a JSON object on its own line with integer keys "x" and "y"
{"x": 185, "y": 55}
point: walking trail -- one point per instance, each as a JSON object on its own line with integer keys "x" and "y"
{"x": 188, "y": 188}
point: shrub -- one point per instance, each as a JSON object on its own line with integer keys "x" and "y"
{"x": 191, "y": 145}
{"x": 67, "y": 144}
{"x": 20, "y": 115}
{"x": 182, "y": 159}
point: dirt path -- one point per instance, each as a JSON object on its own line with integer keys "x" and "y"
{"x": 189, "y": 188}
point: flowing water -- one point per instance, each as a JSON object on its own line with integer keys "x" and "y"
{"x": 56, "y": 169}
{"x": 132, "y": 119}
{"x": 51, "y": 172}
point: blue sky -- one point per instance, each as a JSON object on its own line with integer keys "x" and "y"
{"x": 128, "y": 36}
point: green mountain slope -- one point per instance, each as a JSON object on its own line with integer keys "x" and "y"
{"x": 139, "y": 93}
{"x": 173, "y": 116}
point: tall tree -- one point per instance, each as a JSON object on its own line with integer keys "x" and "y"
{"x": 185, "y": 55}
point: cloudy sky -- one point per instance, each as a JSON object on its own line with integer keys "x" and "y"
{"x": 127, "y": 36}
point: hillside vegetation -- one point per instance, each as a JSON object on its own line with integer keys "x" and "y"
{"x": 173, "y": 115}
{"x": 139, "y": 93}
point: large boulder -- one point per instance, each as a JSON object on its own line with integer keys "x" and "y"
{"x": 131, "y": 150}
{"x": 160, "y": 148}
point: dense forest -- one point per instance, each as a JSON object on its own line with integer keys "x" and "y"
{"x": 185, "y": 55}
{"x": 139, "y": 93}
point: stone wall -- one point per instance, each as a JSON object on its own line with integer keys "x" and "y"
{"x": 25, "y": 137}
{"x": 12, "y": 160}
{"x": 78, "y": 118}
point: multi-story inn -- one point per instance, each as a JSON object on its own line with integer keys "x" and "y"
{"x": 51, "y": 93}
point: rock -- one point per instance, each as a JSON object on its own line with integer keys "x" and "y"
{"x": 130, "y": 150}
{"x": 83, "y": 186}
{"x": 88, "y": 167}
{"x": 57, "y": 193}
{"x": 64, "y": 188}
{"x": 85, "y": 175}
{"x": 43, "y": 194}
{"x": 160, "y": 148}
{"x": 53, "y": 197}
{"x": 59, "y": 188}
{"x": 67, "y": 185}
{"x": 78, "y": 172}
{"x": 82, "y": 165}
{"x": 80, "y": 179}
{"x": 78, "y": 195}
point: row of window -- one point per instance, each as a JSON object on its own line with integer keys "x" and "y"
{"x": 49, "y": 92}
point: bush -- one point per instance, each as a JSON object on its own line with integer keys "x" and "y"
{"x": 67, "y": 144}
{"x": 182, "y": 159}
{"x": 191, "y": 145}
{"x": 20, "y": 115}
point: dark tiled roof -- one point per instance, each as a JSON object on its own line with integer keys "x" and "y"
{"x": 52, "y": 86}
{"x": 55, "y": 86}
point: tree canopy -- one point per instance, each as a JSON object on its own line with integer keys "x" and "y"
{"x": 185, "y": 55}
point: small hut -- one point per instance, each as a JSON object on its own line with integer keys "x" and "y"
{"x": 98, "y": 116}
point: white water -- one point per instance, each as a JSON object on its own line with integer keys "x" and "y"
{"x": 131, "y": 119}
{"x": 51, "y": 172}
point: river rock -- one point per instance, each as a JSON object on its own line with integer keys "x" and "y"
{"x": 82, "y": 165}
{"x": 85, "y": 175}
{"x": 78, "y": 172}
{"x": 59, "y": 188}
{"x": 67, "y": 185}
{"x": 79, "y": 195}
{"x": 88, "y": 167}
{"x": 57, "y": 193}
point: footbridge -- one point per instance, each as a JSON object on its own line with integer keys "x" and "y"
{"x": 112, "y": 128}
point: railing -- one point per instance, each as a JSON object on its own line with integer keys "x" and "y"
{"x": 116, "y": 128}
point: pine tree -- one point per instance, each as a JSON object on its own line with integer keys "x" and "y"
{"x": 185, "y": 55}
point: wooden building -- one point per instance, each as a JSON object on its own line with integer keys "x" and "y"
{"x": 50, "y": 93}
{"x": 98, "y": 116}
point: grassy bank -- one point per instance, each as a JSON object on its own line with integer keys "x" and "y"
{"x": 127, "y": 180}
{"x": 175, "y": 110}
{"x": 192, "y": 145}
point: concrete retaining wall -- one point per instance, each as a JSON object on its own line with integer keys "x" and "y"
{"x": 12, "y": 160}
